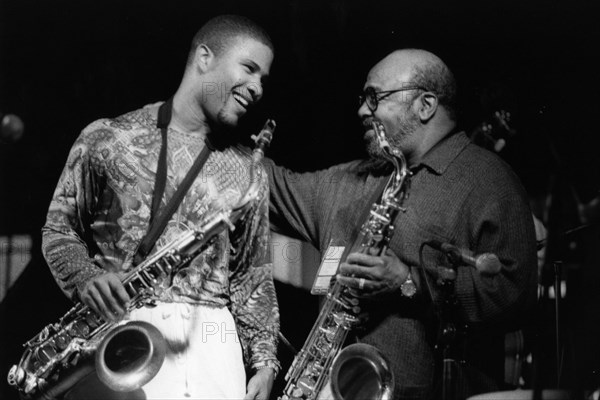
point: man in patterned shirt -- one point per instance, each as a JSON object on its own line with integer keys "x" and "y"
{"x": 220, "y": 310}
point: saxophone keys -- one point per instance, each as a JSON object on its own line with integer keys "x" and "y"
{"x": 304, "y": 388}
{"x": 79, "y": 329}
{"x": 92, "y": 320}
{"x": 62, "y": 341}
{"x": 148, "y": 278}
{"x": 16, "y": 376}
{"x": 44, "y": 334}
{"x": 132, "y": 289}
{"x": 45, "y": 353}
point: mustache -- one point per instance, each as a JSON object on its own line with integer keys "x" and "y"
{"x": 367, "y": 123}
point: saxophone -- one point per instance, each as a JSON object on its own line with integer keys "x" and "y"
{"x": 322, "y": 369}
{"x": 127, "y": 354}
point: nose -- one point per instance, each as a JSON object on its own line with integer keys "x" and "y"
{"x": 255, "y": 90}
{"x": 364, "y": 111}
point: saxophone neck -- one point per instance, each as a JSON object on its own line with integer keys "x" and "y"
{"x": 261, "y": 141}
{"x": 401, "y": 173}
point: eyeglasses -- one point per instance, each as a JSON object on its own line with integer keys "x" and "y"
{"x": 373, "y": 97}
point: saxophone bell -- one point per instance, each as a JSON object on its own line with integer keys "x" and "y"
{"x": 361, "y": 372}
{"x": 130, "y": 355}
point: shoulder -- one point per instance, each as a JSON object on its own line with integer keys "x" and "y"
{"x": 238, "y": 160}
{"x": 236, "y": 154}
{"x": 491, "y": 164}
{"x": 345, "y": 171}
{"x": 135, "y": 128}
{"x": 351, "y": 172}
{"x": 242, "y": 151}
{"x": 488, "y": 172}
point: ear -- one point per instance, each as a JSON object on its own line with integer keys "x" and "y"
{"x": 203, "y": 58}
{"x": 428, "y": 105}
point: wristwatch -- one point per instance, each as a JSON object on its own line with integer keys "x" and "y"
{"x": 408, "y": 287}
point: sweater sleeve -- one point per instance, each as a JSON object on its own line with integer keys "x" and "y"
{"x": 293, "y": 201}
{"x": 502, "y": 225}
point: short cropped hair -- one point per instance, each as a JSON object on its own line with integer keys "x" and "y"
{"x": 437, "y": 77}
{"x": 220, "y": 32}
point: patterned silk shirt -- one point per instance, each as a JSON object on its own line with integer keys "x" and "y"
{"x": 100, "y": 212}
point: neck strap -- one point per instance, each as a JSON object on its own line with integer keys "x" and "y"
{"x": 158, "y": 221}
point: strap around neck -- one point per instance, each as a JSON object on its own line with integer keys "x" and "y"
{"x": 162, "y": 122}
{"x": 158, "y": 221}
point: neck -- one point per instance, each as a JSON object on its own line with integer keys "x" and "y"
{"x": 433, "y": 134}
{"x": 186, "y": 117}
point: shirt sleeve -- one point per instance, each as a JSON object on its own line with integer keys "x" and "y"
{"x": 63, "y": 244}
{"x": 253, "y": 299}
{"x": 502, "y": 225}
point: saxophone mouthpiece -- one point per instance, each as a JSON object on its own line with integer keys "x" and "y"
{"x": 265, "y": 135}
{"x": 380, "y": 134}
{"x": 263, "y": 139}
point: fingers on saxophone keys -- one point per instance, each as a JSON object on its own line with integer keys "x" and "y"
{"x": 355, "y": 306}
{"x": 97, "y": 304}
{"x": 106, "y": 305}
{"x": 352, "y": 302}
{"x": 347, "y": 281}
{"x": 119, "y": 297}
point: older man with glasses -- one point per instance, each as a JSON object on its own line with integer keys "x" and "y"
{"x": 462, "y": 200}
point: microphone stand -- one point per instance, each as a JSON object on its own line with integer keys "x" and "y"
{"x": 447, "y": 337}
{"x": 451, "y": 332}
{"x": 551, "y": 273}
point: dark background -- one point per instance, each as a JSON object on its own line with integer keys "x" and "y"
{"x": 66, "y": 63}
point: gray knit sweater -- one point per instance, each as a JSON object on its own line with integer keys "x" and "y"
{"x": 459, "y": 193}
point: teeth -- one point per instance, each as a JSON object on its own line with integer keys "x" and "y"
{"x": 240, "y": 99}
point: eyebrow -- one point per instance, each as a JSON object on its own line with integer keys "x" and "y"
{"x": 371, "y": 87}
{"x": 265, "y": 77}
{"x": 253, "y": 63}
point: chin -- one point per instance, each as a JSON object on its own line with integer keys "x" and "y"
{"x": 372, "y": 147}
{"x": 228, "y": 120}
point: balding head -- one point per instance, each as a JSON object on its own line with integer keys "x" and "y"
{"x": 422, "y": 68}
{"x": 412, "y": 93}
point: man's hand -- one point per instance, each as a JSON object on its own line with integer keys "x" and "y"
{"x": 260, "y": 385}
{"x": 106, "y": 295}
{"x": 371, "y": 276}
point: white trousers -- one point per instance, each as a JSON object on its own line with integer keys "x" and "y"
{"x": 204, "y": 354}
{"x": 203, "y": 360}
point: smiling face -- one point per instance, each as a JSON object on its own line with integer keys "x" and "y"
{"x": 395, "y": 111}
{"x": 234, "y": 81}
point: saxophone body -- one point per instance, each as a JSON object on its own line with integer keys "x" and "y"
{"x": 324, "y": 369}
{"x": 125, "y": 355}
